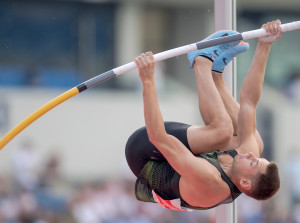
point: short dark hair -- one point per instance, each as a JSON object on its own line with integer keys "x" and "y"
{"x": 265, "y": 185}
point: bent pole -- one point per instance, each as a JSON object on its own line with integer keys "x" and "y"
{"x": 132, "y": 66}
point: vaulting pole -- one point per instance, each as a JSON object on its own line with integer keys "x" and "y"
{"x": 132, "y": 66}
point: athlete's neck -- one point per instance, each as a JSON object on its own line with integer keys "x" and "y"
{"x": 225, "y": 161}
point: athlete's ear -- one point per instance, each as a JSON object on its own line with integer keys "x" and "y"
{"x": 246, "y": 183}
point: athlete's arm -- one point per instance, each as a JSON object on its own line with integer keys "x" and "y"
{"x": 193, "y": 169}
{"x": 196, "y": 171}
{"x": 153, "y": 118}
{"x": 251, "y": 89}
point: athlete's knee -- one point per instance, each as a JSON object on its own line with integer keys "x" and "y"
{"x": 225, "y": 136}
{"x": 224, "y": 132}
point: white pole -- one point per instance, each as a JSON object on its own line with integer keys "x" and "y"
{"x": 225, "y": 18}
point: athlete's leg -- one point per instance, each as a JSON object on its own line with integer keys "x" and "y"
{"x": 218, "y": 130}
{"x": 211, "y": 106}
{"x": 218, "y": 66}
{"x": 232, "y": 107}
{"x": 139, "y": 151}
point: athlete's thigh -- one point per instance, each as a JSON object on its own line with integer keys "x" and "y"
{"x": 139, "y": 150}
{"x": 205, "y": 139}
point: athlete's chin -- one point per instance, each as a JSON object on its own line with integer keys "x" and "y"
{"x": 237, "y": 159}
{"x": 239, "y": 156}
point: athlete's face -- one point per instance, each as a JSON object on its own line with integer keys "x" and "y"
{"x": 248, "y": 164}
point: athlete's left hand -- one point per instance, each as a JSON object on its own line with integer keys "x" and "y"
{"x": 274, "y": 30}
{"x": 146, "y": 65}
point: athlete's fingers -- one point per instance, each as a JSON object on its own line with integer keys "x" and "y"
{"x": 270, "y": 28}
{"x": 141, "y": 60}
{"x": 150, "y": 56}
{"x": 279, "y": 28}
{"x": 145, "y": 58}
{"x": 136, "y": 60}
{"x": 274, "y": 27}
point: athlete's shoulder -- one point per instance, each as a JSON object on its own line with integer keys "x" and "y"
{"x": 213, "y": 192}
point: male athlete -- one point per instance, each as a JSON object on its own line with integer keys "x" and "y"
{"x": 182, "y": 166}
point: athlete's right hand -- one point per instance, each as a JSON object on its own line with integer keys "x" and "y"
{"x": 146, "y": 65}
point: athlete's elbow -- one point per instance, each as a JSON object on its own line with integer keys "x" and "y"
{"x": 154, "y": 140}
{"x": 250, "y": 97}
{"x": 156, "y": 137}
{"x": 260, "y": 142}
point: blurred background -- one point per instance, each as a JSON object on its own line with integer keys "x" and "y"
{"x": 69, "y": 166}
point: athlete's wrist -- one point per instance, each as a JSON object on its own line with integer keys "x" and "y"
{"x": 264, "y": 45}
{"x": 148, "y": 82}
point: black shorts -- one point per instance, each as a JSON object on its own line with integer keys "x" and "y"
{"x": 139, "y": 150}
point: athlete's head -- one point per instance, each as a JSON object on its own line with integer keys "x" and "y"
{"x": 256, "y": 177}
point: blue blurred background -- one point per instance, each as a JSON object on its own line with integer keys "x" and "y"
{"x": 69, "y": 166}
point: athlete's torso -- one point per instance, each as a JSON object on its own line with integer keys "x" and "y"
{"x": 161, "y": 178}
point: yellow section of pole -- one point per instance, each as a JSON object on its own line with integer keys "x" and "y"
{"x": 38, "y": 113}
